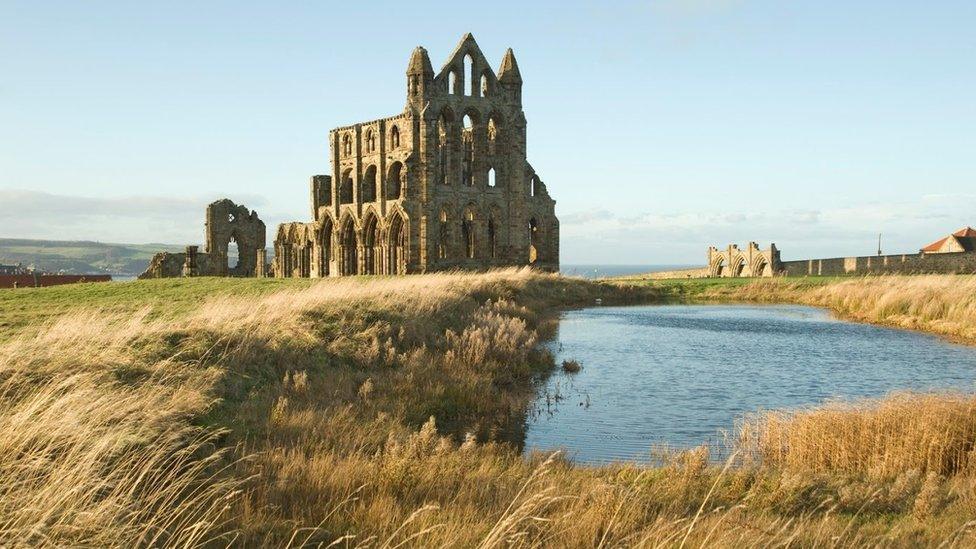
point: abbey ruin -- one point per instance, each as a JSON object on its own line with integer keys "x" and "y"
{"x": 443, "y": 185}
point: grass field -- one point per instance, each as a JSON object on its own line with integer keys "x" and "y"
{"x": 387, "y": 412}
{"x": 32, "y": 307}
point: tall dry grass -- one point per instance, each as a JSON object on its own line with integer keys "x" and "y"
{"x": 387, "y": 413}
{"x": 88, "y": 457}
{"x": 926, "y": 433}
{"x": 100, "y": 436}
{"x": 939, "y": 304}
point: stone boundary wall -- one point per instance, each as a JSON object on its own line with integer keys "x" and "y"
{"x": 41, "y": 280}
{"x": 918, "y": 263}
{"x": 948, "y": 263}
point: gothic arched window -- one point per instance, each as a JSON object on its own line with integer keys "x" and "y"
{"x": 394, "y": 137}
{"x": 469, "y": 81}
{"x": 452, "y": 83}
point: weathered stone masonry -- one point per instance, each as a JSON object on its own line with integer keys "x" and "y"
{"x": 915, "y": 263}
{"x": 734, "y": 262}
{"x": 443, "y": 185}
{"x": 226, "y": 222}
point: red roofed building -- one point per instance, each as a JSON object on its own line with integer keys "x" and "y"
{"x": 963, "y": 240}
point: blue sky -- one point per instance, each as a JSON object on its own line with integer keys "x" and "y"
{"x": 660, "y": 127}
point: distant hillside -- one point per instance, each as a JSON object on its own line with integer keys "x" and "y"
{"x": 81, "y": 257}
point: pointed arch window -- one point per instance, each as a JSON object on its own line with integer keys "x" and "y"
{"x": 396, "y": 262}
{"x": 369, "y": 185}
{"x": 443, "y": 149}
{"x": 325, "y": 254}
{"x": 345, "y": 187}
{"x": 394, "y": 137}
{"x": 491, "y": 177}
{"x": 467, "y": 235}
{"x": 491, "y": 237}
{"x": 347, "y": 145}
{"x": 442, "y": 236}
{"x": 467, "y": 158}
{"x": 469, "y": 80}
{"x": 347, "y": 249}
{"x": 370, "y": 141}
{"x": 394, "y": 181}
{"x": 484, "y": 86}
{"x": 452, "y": 83}
{"x": 492, "y": 135}
{"x": 533, "y": 240}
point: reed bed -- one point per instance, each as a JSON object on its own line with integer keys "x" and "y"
{"x": 388, "y": 412}
{"x": 925, "y": 433}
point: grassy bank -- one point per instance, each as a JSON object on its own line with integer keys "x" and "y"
{"x": 388, "y": 412}
{"x": 939, "y": 304}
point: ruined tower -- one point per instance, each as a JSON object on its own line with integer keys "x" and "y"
{"x": 443, "y": 185}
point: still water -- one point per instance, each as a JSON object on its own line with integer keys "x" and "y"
{"x": 678, "y": 375}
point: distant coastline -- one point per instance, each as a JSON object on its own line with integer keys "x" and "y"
{"x": 600, "y": 270}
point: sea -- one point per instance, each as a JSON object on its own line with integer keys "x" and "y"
{"x": 601, "y": 270}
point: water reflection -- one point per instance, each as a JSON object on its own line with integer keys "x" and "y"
{"x": 677, "y": 375}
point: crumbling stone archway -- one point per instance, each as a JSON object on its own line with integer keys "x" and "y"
{"x": 734, "y": 262}
{"x": 226, "y": 222}
{"x": 738, "y": 267}
{"x": 761, "y": 267}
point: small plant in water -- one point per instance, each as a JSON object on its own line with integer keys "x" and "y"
{"x": 572, "y": 366}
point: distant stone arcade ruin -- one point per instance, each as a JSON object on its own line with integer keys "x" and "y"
{"x": 751, "y": 262}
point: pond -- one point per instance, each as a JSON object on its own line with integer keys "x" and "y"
{"x": 678, "y": 375}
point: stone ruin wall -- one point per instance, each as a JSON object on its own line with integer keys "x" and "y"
{"x": 917, "y": 263}
{"x": 734, "y": 262}
{"x": 226, "y": 222}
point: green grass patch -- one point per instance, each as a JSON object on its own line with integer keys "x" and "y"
{"x": 24, "y": 308}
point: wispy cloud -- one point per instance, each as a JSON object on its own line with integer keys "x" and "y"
{"x": 682, "y": 237}
{"x": 129, "y": 219}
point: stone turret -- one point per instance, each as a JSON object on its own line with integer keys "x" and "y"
{"x": 420, "y": 78}
{"x": 509, "y": 76}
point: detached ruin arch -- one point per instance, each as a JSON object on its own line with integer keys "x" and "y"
{"x": 733, "y": 262}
